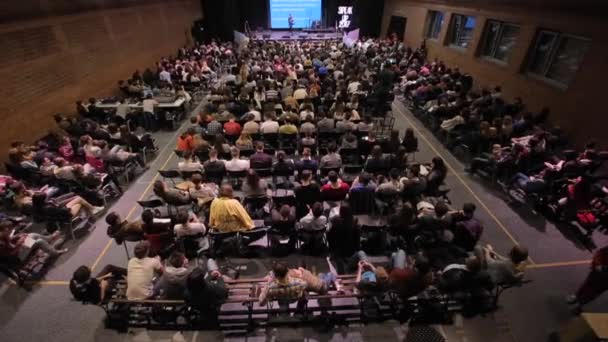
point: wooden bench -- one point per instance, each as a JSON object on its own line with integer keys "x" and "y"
{"x": 241, "y": 312}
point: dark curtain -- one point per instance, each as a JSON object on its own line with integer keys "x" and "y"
{"x": 222, "y": 17}
{"x": 255, "y": 12}
{"x": 368, "y": 17}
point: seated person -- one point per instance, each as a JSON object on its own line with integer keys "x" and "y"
{"x": 349, "y": 141}
{"x": 326, "y": 123}
{"x": 308, "y": 140}
{"x": 307, "y": 192}
{"x": 306, "y": 162}
{"x": 392, "y": 185}
{"x": 308, "y": 127}
{"x": 119, "y": 230}
{"x": 410, "y": 280}
{"x": 254, "y": 186}
{"x": 319, "y": 284}
{"x": 172, "y": 283}
{"x": 332, "y": 159}
{"x": 288, "y": 128}
{"x": 366, "y": 125}
{"x": 487, "y": 161}
{"x": 228, "y": 214}
{"x": 95, "y": 290}
{"x": 185, "y": 141}
{"x": 235, "y": 164}
{"x": 363, "y": 183}
{"x": 466, "y": 228}
{"x": 260, "y": 160}
{"x": 467, "y": 277}
{"x": 244, "y": 142}
{"x": 436, "y": 175}
{"x": 214, "y": 166}
{"x": 284, "y": 215}
{"x": 504, "y": 270}
{"x": 206, "y": 290}
{"x": 283, "y": 221}
{"x": 335, "y": 189}
{"x": 370, "y": 278}
{"x": 202, "y": 193}
{"x": 189, "y": 164}
{"x": 117, "y": 154}
{"x": 170, "y": 195}
{"x": 310, "y": 224}
{"x": 377, "y": 163}
{"x": 344, "y": 236}
{"x": 141, "y": 271}
{"x": 68, "y": 208}
{"x": 157, "y": 232}
{"x": 283, "y": 165}
{"x": 15, "y": 248}
{"x": 282, "y": 287}
{"x": 413, "y": 184}
{"x": 187, "y": 224}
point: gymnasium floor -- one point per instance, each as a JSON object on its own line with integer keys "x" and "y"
{"x": 47, "y": 313}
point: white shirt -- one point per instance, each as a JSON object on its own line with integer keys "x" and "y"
{"x": 235, "y": 165}
{"x": 300, "y": 94}
{"x": 189, "y": 166}
{"x": 305, "y": 113}
{"x": 192, "y": 228}
{"x": 149, "y": 104}
{"x": 140, "y": 273}
{"x": 353, "y": 87}
{"x": 256, "y": 114}
{"x": 122, "y": 110}
{"x": 165, "y": 76}
{"x": 269, "y": 127}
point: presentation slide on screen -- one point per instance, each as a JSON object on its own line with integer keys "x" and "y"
{"x": 304, "y": 12}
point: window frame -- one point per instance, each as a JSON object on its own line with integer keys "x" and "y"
{"x": 551, "y": 56}
{"x": 484, "y": 42}
{"x": 452, "y": 31}
{"x": 430, "y": 21}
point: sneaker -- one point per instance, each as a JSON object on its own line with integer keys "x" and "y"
{"x": 62, "y": 251}
{"x": 97, "y": 210}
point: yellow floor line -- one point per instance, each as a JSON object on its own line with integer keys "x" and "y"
{"x": 560, "y": 264}
{"x": 456, "y": 174}
{"x": 49, "y": 282}
{"x": 143, "y": 194}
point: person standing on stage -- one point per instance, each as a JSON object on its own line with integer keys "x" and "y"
{"x": 291, "y": 22}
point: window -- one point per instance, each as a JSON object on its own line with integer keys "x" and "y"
{"x": 499, "y": 39}
{"x": 556, "y": 56}
{"x": 461, "y": 30}
{"x": 434, "y": 21}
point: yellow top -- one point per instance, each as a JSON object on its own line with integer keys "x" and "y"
{"x": 228, "y": 215}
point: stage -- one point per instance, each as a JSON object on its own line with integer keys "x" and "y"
{"x": 308, "y": 34}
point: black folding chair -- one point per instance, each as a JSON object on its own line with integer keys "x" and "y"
{"x": 236, "y": 178}
{"x": 362, "y": 202}
{"x": 170, "y": 174}
{"x": 326, "y": 170}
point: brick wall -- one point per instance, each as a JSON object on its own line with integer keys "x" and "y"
{"x": 57, "y": 51}
{"x": 576, "y": 108}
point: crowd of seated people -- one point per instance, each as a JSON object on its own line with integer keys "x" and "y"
{"x": 70, "y": 173}
{"x": 520, "y": 150}
{"x": 288, "y": 147}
